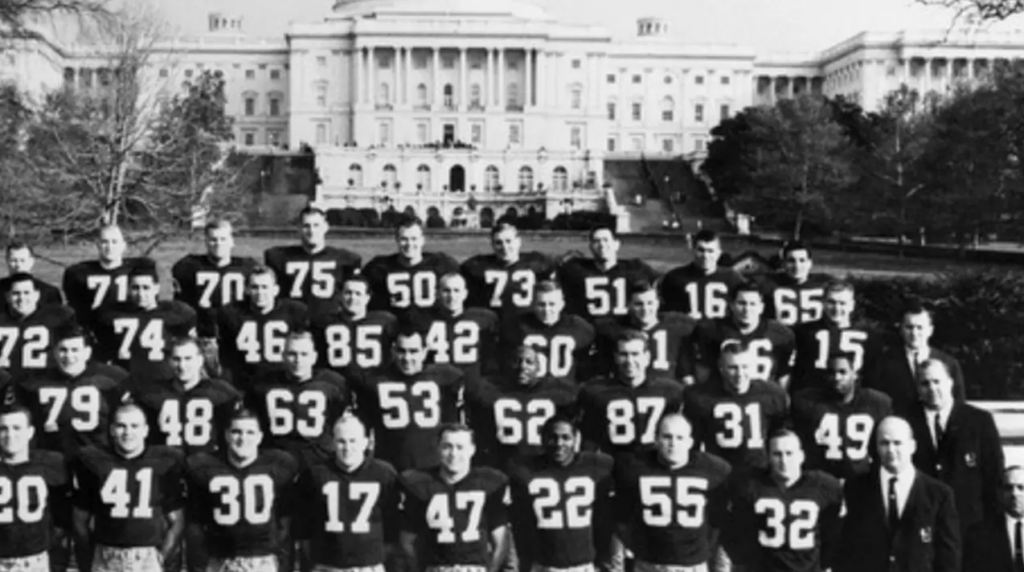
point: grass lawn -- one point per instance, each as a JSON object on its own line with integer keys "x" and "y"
{"x": 661, "y": 255}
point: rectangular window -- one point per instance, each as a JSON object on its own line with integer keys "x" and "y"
{"x": 250, "y": 74}
{"x": 667, "y": 145}
{"x": 321, "y": 61}
{"x": 611, "y": 111}
{"x": 667, "y": 115}
{"x": 638, "y": 143}
{"x": 723, "y": 113}
{"x": 576, "y": 101}
{"x": 637, "y": 78}
{"x": 698, "y": 144}
{"x": 611, "y": 144}
{"x": 699, "y": 80}
{"x": 321, "y": 133}
{"x": 637, "y": 112}
{"x": 250, "y": 139}
{"x": 273, "y": 138}
{"x": 448, "y": 62}
{"x": 514, "y": 134}
{"x": 250, "y": 106}
{"x": 476, "y": 134}
{"x": 385, "y": 133}
{"x": 576, "y": 138}
{"x": 698, "y": 113}
{"x": 576, "y": 64}
{"x": 724, "y": 79}
{"x": 385, "y": 63}
{"x": 163, "y": 73}
{"x": 103, "y": 77}
{"x": 421, "y": 132}
{"x": 275, "y": 74}
{"x": 321, "y": 95}
{"x": 275, "y": 107}
{"x": 610, "y": 78}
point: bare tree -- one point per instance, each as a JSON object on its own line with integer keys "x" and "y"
{"x": 975, "y": 12}
{"x": 21, "y": 18}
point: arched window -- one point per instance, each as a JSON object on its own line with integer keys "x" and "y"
{"x": 390, "y": 175}
{"x": 423, "y": 178}
{"x": 421, "y": 93}
{"x": 668, "y": 107}
{"x": 474, "y": 95}
{"x": 448, "y": 95}
{"x": 355, "y": 175}
{"x": 512, "y": 94}
{"x": 560, "y": 181}
{"x": 384, "y": 94}
{"x": 525, "y": 179}
{"x": 491, "y": 178}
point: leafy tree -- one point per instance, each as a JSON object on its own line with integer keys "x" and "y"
{"x": 730, "y": 151}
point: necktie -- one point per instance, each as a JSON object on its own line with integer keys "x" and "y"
{"x": 914, "y": 363}
{"x": 938, "y": 431}
{"x": 894, "y": 509}
{"x": 1018, "y": 548}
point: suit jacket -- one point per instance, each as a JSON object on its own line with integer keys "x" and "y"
{"x": 892, "y": 376}
{"x": 927, "y": 538}
{"x": 988, "y": 546}
{"x": 969, "y": 459}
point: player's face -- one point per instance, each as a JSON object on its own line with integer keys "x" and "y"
{"x": 350, "y": 443}
{"x": 644, "y": 306}
{"x": 300, "y": 357}
{"x": 355, "y": 297}
{"x": 896, "y": 446}
{"x": 23, "y": 297}
{"x": 843, "y": 375}
{"x": 263, "y": 290}
{"x": 15, "y": 434}
{"x": 560, "y": 443}
{"x": 111, "y": 245}
{"x": 314, "y": 230}
{"x": 410, "y": 242}
{"x": 674, "y": 440}
{"x": 219, "y": 242}
{"x": 506, "y": 245}
{"x": 916, "y": 330}
{"x": 632, "y": 358}
{"x": 1013, "y": 493}
{"x": 747, "y": 308}
{"x": 453, "y": 293}
{"x": 935, "y": 387}
{"x": 143, "y": 291}
{"x": 786, "y": 457}
{"x": 129, "y": 430}
{"x": 244, "y": 438}
{"x": 736, "y": 370}
{"x": 20, "y": 260}
{"x": 186, "y": 363}
{"x": 456, "y": 451}
{"x": 604, "y": 245}
{"x": 798, "y": 264}
{"x": 410, "y": 353}
{"x": 839, "y": 305}
{"x": 72, "y": 355}
{"x": 526, "y": 365}
{"x": 548, "y": 306}
{"x": 706, "y": 254}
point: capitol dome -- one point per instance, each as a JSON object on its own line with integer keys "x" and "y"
{"x": 425, "y": 8}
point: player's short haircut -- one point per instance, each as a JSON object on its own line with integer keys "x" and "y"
{"x": 127, "y": 404}
{"x": 144, "y": 271}
{"x": 109, "y": 228}
{"x": 72, "y": 332}
{"x": 407, "y": 221}
{"x": 795, "y": 246}
{"x": 930, "y": 362}
{"x": 410, "y": 327}
{"x": 18, "y": 278}
{"x": 545, "y": 287}
{"x": 16, "y": 408}
{"x": 705, "y": 236}
{"x": 219, "y": 224}
{"x": 549, "y": 426}
{"x": 917, "y": 307}
{"x": 447, "y": 428}
{"x": 449, "y": 277}
{"x": 601, "y": 227}
{"x": 1005, "y": 480}
{"x": 19, "y": 245}
{"x": 630, "y": 335}
{"x": 640, "y": 286}
{"x": 733, "y": 348}
{"x": 502, "y": 226}
{"x": 349, "y": 417}
{"x": 299, "y": 336}
{"x": 240, "y": 410}
{"x": 357, "y": 278}
{"x": 782, "y": 434}
{"x": 850, "y": 358}
{"x": 670, "y": 415}
{"x": 261, "y": 270}
{"x": 312, "y": 210}
{"x": 836, "y": 286}
{"x": 744, "y": 287}
{"x": 182, "y": 341}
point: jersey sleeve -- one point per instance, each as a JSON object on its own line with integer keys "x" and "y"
{"x": 84, "y": 485}
{"x": 498, "y": 503}
{"x": 413, "y": 508}
{"x": 784, "y": 347}
{"x": 173, "y": 483}
{"x": 58, "y": 481}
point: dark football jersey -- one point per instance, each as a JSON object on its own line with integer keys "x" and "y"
{"x": 817, "y": 342}
{"x": 250, "y": 340}
{"x": 347, "y": 345}
{"x": 468, "y": 341}
{"x": 72, "y": 413}
{"x": 398, "y": 288}
{"x": 670, "y": 341}
{"x": 564, "y": 349}
{"x": 129, "y": 499}
{"x": 670, "y": 512}
{"x": 33, "y": 496}
{"x": 791, "y": 303}
{"x": 771, "y": 342}
{"x": 348, "y": 517}
{"x": 506, "y": 289}
{"x": 688, "y": 290}
{"x": 91, "y": 289}
{"x": 592, "y": 293}
{"x": 137, "y": 339}
{"x": 785, "y": 529}
{"x": 406, "y": 412}
{"x": 308, "y": 277}
{"x": 507, "y": 417}
{"x": 48, "y": 293}
{"x": 836, "y": 435}
{"x": 240, "y": 507}
{"x": 455, "y": 520}
{"x": 25, "y": 343}
{"x": 553, "y": 508}
{"x": 192, "y": 420}
{"x": 204, "y": 286}
{"x": 618, "y": 418}
{"x": 298, "y": 416}
{"x": 736, "y": 427}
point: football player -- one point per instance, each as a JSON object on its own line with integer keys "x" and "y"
{"x": 733, "y": 414}
{"x": 784, "y": 519}
{"x": 507, "y": 411}
{"x": 70, "y": 401}
{"x": 209, "y": 281}
{"x": 464, "y": 338}
{"x": 797, "y": 296}
{"x": 27, "y": 328}
{"x": 669, "y": 335}
{"x": 596, "y": 287}
{"x": 241, "y": 497}
{"x": 700, "y": 289}
{"x": 298, "y": 404}
{"x": 836, "y": 332}
{"x": 21, "y": 259}
{"x": 620, "y": 413}
{"x": 455, "y": 516}
{"x": 128, "y": 499}
{"x": 564, "y": 342}
{"x": 504, "y": 281}
{"x": 671, "y": 501}
{"x": 555, "y": 499}
{"x": 135, "y": 336}
{"x": 836, "y": 423}
{"x": 349, "y": 506}
{"x": 37, "y": 497}
{"x": 409, "y": 278}
{"x": 407, "y": 401}
{"x": 312, "y": 271}
{"x": 93, "y": 286}
{"x": 771, "y": 342}
{"x": 350, "y": 338}
{"x": 253, "y": 332}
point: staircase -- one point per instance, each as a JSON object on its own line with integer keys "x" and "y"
{"x": 628, "y": 179}
{"x": 686, "y": 195}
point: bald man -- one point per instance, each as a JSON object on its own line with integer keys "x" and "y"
{"x": 898, "y": 518}
{"x": 997, "y": 544}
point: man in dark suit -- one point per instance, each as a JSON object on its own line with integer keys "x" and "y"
{"x": 958, "y": 444}
{"x": 898, "y": 518}
{"x": 996, "y": 545}
{"x": 895, "y": 373}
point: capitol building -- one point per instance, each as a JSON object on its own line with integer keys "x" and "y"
{"x": 468, "y": 108}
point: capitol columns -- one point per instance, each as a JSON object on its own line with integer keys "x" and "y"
{"x": 357, "y": 55}
{"x": 463, "y": 76}
{"x": 436, "y": 78}
{"x": 372, "y": 77}
{"x": 407, "y": 84}
{"x": 501, "y": 79}
{"x": 542, "y": 81}
{"x": 529, "y": 79}
{"x": 489, "y": 79}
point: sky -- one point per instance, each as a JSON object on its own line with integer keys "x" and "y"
{"x": 766, "y": 25}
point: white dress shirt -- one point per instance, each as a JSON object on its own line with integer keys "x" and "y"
{"x": 904, "y": 481}
{"x": 1011, "y": 529}
{"x": 943, "y": 415}
{"x": 916, "y": 357}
